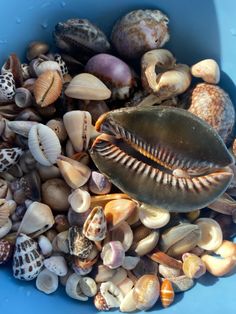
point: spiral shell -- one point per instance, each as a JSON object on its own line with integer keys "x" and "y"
{"x": 44, "y": 145}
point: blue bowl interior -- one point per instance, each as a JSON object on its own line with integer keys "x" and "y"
{"x": 199, "y": 29}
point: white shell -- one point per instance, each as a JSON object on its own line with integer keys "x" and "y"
{"x": 5, "y": 229}
{"x": 44, "y": 145}
{"x": 21, "y": 127}
{"x": 45, "y": 245}
{"x": 88, "y": 286}
{"x": 208, "y": 70}
{"x": 124, "y": 234}
{"x": 78, "y": 125}
{"x": 128, "y": 304}
{"x": 57, "y": 265}
{"x": 130, "y": 262}
{"x": 47, "y": 281}
{"x": 73, "y": 288}
{"x": 60, "y": 242}
{"x": 38, "y": 218}
{"x": 119, "y": 276}
{"x": 111, "y": 294}
{"x": 153, "y": 217}
{"x": 47, "y": 65}
{"x": 147, "y": 244}
{"x": 79, "y": 200}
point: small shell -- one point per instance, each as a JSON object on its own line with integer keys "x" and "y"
{"x": 73, "y": 289}
{"x": 166, "y": 293}
{"x": 113, "y": 254}
{"x": 7, "y": 87}
{"x": 6, "y": 250}
{"x": 79, "y": 245}
{"x": 146, "y": 292}
{"x": 211, "y": 234}
{"x": 208, "y": 70}
{"x": 87, "y": 86}
{"x": 27, "y": 261}
{"x": 44, "y": 145}
{"x": 130, "y": 262}
{"x": 102, "y": 200}
{"x": 13, "y": 66}
{"x": 25, "y": 71}
{"x": 47, "y": 88}
{"x": 145, "y": 266}
{"x": 21, "y": 127}
{"x": 47, "y": 281}
{"x": 124, "y": 234}
{"x": 181, "y": 283}
{"x": 31, "y": 185}
{"x": 125, "y": 286}
{"x": 48, "y": 172}
{"x": 58, "y": 127}
{"x": 112, "y": 295}
{"x": 128, "y": 304}
{"x": 62, "y": 64}
{"x": 5, "y": 229}
{"x": 119, "y": 276}
{"x": 147, "y": 244}
{"x": 47, "y": 66}
{"x": 100, "y": 303}
{"x": 4, "y": 211}
{"x": 35, "y": 49}
{"x": 45, "y": 245}
{"x": 57, "y": 265}
{"x": 23, "y": 97}
{"x": 167, "y": 272}
{"x": 79, "y": 200}
{"x": 95, "y": 226}
{"x": 37, "y": 219}
{"x": 224, "y": 204}
{"x": 164, "y": 259}
{"x": 9, "y": 157}
{"x": 88, "y": 286}
{"x": 153, "y": 217}
{"x": 98, "y": 183}
{"x": 104, "y": 273}
{"x": 193, "y": 266}
{"x": 61, "y": 223}
{"x": 60, "y": 242}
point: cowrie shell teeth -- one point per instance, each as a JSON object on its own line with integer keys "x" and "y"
{"x": 211, "y": 234}
{"x": 44, "y": 145}
{"x": 111, "y": 294}
{"x": 153, "y": 217}
{"x": 47, "y": 281}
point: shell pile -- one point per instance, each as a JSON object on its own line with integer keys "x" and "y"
{"x": 118, "y": 187}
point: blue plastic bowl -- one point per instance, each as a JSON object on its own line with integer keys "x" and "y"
{"x": 199, "y": 29}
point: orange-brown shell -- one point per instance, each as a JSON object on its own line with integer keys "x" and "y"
{"x": 47, "y": 88}
{"x": 167, "y": 293}
{"x": 100, "y": 302}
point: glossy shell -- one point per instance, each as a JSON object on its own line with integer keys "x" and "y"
{"x": 95, "y": 226}
{"x": 166, "y": 293}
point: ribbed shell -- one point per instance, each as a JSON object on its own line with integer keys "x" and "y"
{"x": 9, "y": 157}
{"x": 44, "y": 145}
{"x": 27, "y": 261}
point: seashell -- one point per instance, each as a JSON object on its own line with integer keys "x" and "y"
{"x": 5, "y": 229}
{"x": 147, "y": 244}
{"x": 100, "y": 303}
{"x": 31, "y": 185}
{"x": 193, "y": 266}
{"x": 9, "y": 111}
{"x": 82, "y": 157}
{"x": 124, "y": 234}
{"x": 95, "y": 226}
{"x": 87, "y": 86}
{"x": 167, "y": 271}
{"x": 224, "y": 204}
{"x": 208, "y": 70}
{"x": 63, "y": 279}
{"x": 47, "y": 281}
{"x": 166, "y": 260}
{"x": 45, "y": 66}
{"x": 73, "y": 289}
{"x": 146, "y": 292}
{"x": 211, "y": 234}
{"x": 130, "y": 262}
{"x": 55, "y": 193}
{"x": 25, "y": 71}
{"x": 80, "y": 37}
{"x": 180, "y": 239}
{"x": 139, "y": 31}
{"x": 83, "y": 266}
{"x": 79, "y": 245}
{"x": 47, "y": 172}
{"x": 6, "y": 250}
{"x": 58, "y": 127}
{"x": 9, "y": 157}
{"x": 181, "y": 283}
{"x": 47, "y": 88}
{"x": 98, "y": 183}
{"x": 23, "y": 97}
{"x": 88, "y": 286}
{"x": 5, "y": 208}
{"x": 153, "y": 217}
{"x": 3, "y": 188}
{"x": 35, "y": 49}
{"x": 208, "y": 102}
{"x": 113, "y": 254}
{"x": 77, "y": 219}
{"x": 63, "y": 67}
{"x": 29, "y": 84}
{"x": 37, "y": 219}
{"x": 145, "y": 266}
{"x": 140, "y": 232}
{"x": 57, "y": 265}
{"x": 28, "y": 114}
{"x": 125, "y": 286}
{"x": 13, "y": 66}
{"x": 7, "y": 87}
{"x": 43, "y": 144}
{"x": 112, "y": 294}
{"x": 119, "y": 276}
{"x": 128, "y": 304}
{"x": 45, "y": 245}
{"x": 166, "y": 293}
{"x": 61, "y": 223}
{"x": 104, "y": 273}
{"x": 117, "y": 211}
{"x": 21, "y": 127}
{"x": 74, "y": 172}
{"x": 60, "y": 242}
{"x": 192, "y": 216}
{"x": 27, "y": 261}
{"x": 102, "y": 200}
{"x": 95, "y": 108}
{"x": 79, "y": 200}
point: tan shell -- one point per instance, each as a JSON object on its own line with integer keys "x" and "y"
{"x": 87, "y": 86}
{"x": 4, "y": 212}
{"x": 47, "y": 88}
{"x": 58, "y": 127}
{"x": 35, "y": 49}
{"x": 102, "y": 200}
{"x": 79, "y": 200}
{"x": 128, "y": 304}
{"x": 95, "y": 226}
{"x": 153, "y": 217}
{"x": 208, "y": 70}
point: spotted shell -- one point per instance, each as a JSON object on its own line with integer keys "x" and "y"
{"x": 27, "y": 261}
{"x": 95, "y": 226}
{"x": 79, "y": 245}
{"x": 7, "y": 87}
{"x": 44, "y": 145}
{"x": 166, "y": 293}
{"x": 9, "y": 157}
{"x": 5, "y": 251}
{"x": 62, "y": 64}
{"x": 5, "y": 211}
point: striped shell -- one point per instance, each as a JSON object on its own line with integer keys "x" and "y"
{"x": 27, "y": 261}
{"x": 95, "y": 226}
{"x": 9, "y": 157}
{"x": 44, "y": 145}
{"x": 166, "y": 293}
{"x": 5, "y": 251}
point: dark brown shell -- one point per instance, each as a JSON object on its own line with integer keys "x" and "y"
{"x": 79, "y": 245}
{"x": 6, "y": 250}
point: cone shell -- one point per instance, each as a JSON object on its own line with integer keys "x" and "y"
{"x": 9, "y": 157}
{"x": 27, "y": 261}
{"x": 95, "y": 226}
{"x": 47, "y": 88}
{"x": 167, "y": 293}
{"x": 44, "y": 145}
{"x": 87, "y": 86}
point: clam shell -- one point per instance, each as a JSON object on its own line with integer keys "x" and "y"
{"x": 79, "y": 245}
{"x": 87, "y": 86}
{"x": 47, "y": 88}
{"x": 47, "y": 281}
{"x": 9, "y": 157}
{"x": 23, "y": 97}
{"x": 27, "y": 261}
{"x": 57, "y": 265}
{"x": 44, "y": 145}
{"x": 153, "y": 217}
{"x": 79, "y": 200}
{"x": 95, "y": 226}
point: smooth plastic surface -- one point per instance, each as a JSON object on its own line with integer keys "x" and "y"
{"x": 199, "y": 29}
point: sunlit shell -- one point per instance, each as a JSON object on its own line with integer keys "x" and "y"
{"x": 153, "y": 217}
{"x": 27, "y": 261}
{"x": 193, "y": 266}
{"x": 79, "y": 200}
{"x": 208, "y": 70}
{"x": 73, "y": 288}
{"x": 9, "y": 157}
{"x": 35, "y": 49}
{"x": 44, "y": 145}
{"x": 95, "y": 226}
{"x": 47, "y": 281}
{"x": 57, "y": 265}
{"x": 79, "y": 245}
{"x": 166, "y": 293}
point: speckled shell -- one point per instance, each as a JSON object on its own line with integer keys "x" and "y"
{"x": 166, "y": 293}
{"x": 5, "y": 251}
{"x": 79, "y": 245}
{"x": 27, "y": 261}
{"x": 7, "y": 87}
{"x": 4, "y": 212}
{"x": 9, "y": 157}
{"x": 95, "y": 226}
{"x": 212, "y": 104}
{"x": 44, "y": 145}
{"x": 62, "y": 64}
{"x": 100, "y": 302}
